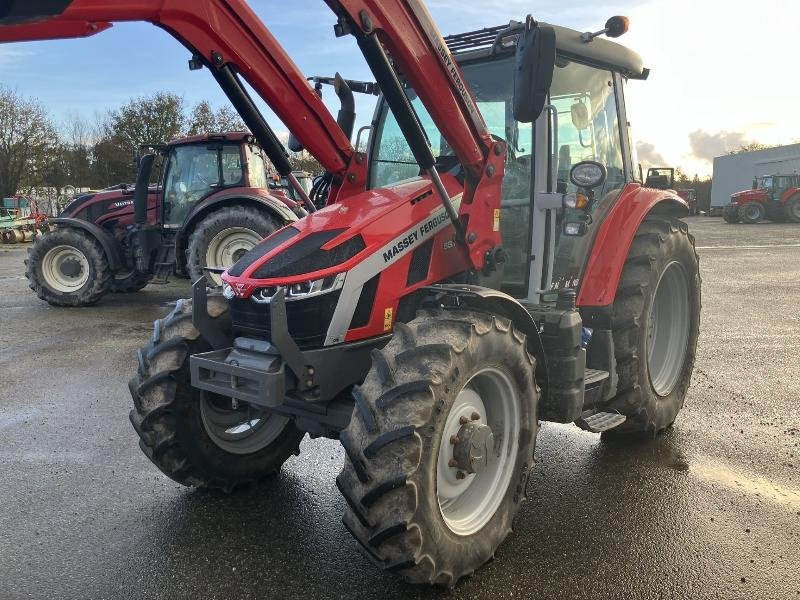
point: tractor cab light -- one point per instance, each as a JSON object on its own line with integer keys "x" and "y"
{"x": 581, "y": 201}
{"x": 572, "y": 228}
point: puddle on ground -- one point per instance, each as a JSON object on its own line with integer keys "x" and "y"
{"x": 746, "y": 483}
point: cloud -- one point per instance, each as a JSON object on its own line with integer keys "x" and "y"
{"x": 9, "y": 55}
{"x": 706, "y": 146}
{"x": 648, "y": 155}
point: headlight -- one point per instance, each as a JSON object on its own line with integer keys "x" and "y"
{"x": 227, "y": 291}
{"x": 298, "y": 291}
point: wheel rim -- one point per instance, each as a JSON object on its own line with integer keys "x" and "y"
{"x": 65, "y": 269}
{"x": 668, "y": 329}
{"x": 469, "y": 503}
{"x": 795, "y": 208}
{"x": 241, "y": 429}
{"x": 228, "y": 246}
{"x": 753, "y": 212}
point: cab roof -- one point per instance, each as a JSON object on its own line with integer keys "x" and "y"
{"x": 228, "y": 136}
{"x": 474, "y": 45}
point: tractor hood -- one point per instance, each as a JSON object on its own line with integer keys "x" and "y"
{"x": 750, "y": 196}
{"x": 379, "y": 226}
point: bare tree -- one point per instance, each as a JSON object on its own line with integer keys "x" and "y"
{"x": 27, "y": 138}
{"x": 204, "y": 119}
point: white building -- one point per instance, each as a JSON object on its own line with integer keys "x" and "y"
{"x": 735, "y": 172}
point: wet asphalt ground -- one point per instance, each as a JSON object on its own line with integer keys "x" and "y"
{"x": 709, "y": 510}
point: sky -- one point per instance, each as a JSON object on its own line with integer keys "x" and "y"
{"x": 722, "y": 71}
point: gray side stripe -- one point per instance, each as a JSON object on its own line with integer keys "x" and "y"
{"x": 384, "y": 257}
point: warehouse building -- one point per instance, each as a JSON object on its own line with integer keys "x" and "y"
{"x": 735, "y": 172}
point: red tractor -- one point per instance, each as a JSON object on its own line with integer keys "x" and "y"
{"x": 212, "y": 206}
{"x": 490, "y": 262}
{"x": 773, "y": 197}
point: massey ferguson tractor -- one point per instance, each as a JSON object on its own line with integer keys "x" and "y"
{"x": 774, "y": 197}
{"x": 212, "y": 205}
{"x": 489, "y": 263}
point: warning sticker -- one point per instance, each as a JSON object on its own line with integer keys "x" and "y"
{"x": 496, "y": 222}
{"x": 387, "y": 319}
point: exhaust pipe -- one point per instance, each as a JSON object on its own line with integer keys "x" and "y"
{"x": 142, "y": 188}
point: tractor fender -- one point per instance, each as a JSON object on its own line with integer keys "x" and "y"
{"x": 497, "y": 303}
{"x": 111, "y": 246}
{"x": 276, "y": 207}
{"x": 789, "y": 194}
{"x": 615, "y": 236}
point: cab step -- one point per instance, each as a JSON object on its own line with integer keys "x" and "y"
{"x": 595, "y": 385}
{"x": 597, "y": 422}
{"x": 593, "y": 377}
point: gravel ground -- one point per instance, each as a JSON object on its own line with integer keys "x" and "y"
{"x": 710, "y": 510}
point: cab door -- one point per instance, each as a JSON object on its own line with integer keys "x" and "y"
{"x": 581, "y": 122}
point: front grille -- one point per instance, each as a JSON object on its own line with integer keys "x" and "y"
{"x": 308, "y": 320}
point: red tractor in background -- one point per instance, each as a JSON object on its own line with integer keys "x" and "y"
{"x": 490, "y": 262}
{"x": 212, "y": 205}
{"x": 773, "y": 197}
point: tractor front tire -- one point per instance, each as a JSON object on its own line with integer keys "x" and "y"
{"x": 791, "y": 209}
{"x": 224, "y": 236}
{"x": 413, "y": 507}
{"x": 132, "y": 281}
{"x": 731, "y": 213}
{"x": 68, "y": 267}
{"x": 196, "y": 438}
{"x": 655, "y": 323}
{"x": 752, "y": 213}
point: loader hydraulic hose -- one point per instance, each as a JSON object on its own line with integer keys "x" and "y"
{"x": 407, "y": 119}
{"x": 252, "y": 117}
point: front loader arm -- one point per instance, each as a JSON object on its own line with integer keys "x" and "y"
{"x": 231, "y": 40}
{"x": 412, "y": 42}
{"x": 222, "y": 33}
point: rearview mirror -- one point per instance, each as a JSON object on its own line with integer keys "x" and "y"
{"x": 580, "y": 116}
{"x": 533, "y": 70}
{"x": 588, "y": 174}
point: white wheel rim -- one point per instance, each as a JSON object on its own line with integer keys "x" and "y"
{"x": 228, "y": 246}
{"x": 467, "y": 504}
{"x": 753, "y": 212}
{"x": 240, "y": 430}
{"x": 65, "y": 269}
{"x": 668, "y": 329}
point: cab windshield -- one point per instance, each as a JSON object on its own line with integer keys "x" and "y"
{"x": 765, "y": 183}
{"x": 491, "y": 84}
{"x": 196, "y": 171}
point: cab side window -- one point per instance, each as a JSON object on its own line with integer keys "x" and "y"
{"x": 588, "y": 125}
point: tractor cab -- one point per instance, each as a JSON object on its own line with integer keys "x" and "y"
{"x": 583, "y": 126}
{"x": 196, "y": 168}
{"x": 776, "y": 185}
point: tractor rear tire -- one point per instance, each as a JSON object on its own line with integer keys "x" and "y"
{"x": 731, "y": 213}
{"x": 67, "y": 267}
{"x": 413, "y": 511}
{"x": 132, "y": 281}
{"x": 752, "y": 213}
{"x": 655, "y": 323}
{"x": 179, "y": 426}
{"x": 791, "y": 209}
{"x": 223, "y": 236}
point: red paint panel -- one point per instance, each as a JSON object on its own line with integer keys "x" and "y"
{"x": 613, "y": 241}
